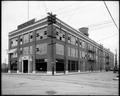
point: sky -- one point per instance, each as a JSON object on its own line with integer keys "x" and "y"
{"x": 77, "y": 14}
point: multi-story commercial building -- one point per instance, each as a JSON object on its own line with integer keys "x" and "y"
{"x": 40, "y": 46}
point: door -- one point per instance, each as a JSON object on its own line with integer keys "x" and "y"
{"x": 25, "y": 66}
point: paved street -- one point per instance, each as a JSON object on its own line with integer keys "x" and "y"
{"x": 100, "y": 83}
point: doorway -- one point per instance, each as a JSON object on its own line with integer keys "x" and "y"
{"x": 60, "y": 65}
{"x": 25, "y": 66}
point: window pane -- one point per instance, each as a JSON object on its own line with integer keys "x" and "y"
{"x": 59, "y": 49}
{"x": 41, "y": 48}
{"x": 26, "y": 38}
{"x": 14, "y": 42}
{"x": 41, "y": 34}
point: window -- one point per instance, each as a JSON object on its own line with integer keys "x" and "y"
{"x": 60, "y": 35}
{"x": 41, "y": 34}
{"x": 20, "y": 51}
{"x": 41, "y": 48}
{"x": 73, "y": 40}
{"x": 76, "y": 52}
{"x": 83, "y": 44}
{"x": 69, "y": 51}
{"x": 80, "y": 43}
{"x": 21, "y": 39}
{"x": 59, "y": 49}
{"x": 73, "y": 52}
{"x": 26, "y": 38}
{"x": 14, "y": 42}
{"x": 31, "y": 50}
{"x": 83, "y": 54}
{"x": 25, "y": 50}
{"x": 31, "y": 36}
{"x": 80, "y": 52}
{"x": 45, "y": 32}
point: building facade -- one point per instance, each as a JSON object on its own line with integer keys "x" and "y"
{"x": 39, "y": 47}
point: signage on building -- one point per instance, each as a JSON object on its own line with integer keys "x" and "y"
{"x": 26, "y": 24}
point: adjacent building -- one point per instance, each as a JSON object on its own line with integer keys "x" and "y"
{"x": 41, "y": 47}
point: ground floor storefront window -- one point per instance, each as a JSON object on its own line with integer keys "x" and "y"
{"x": 60, "y": 67}
{"x": 41, "y": 65}
{"x": 72, "y": 65}
{"x": 13, "y": 66}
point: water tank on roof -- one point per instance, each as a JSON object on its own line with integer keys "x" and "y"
{"x": 84, "y": 30}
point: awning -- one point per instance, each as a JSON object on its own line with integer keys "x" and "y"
{"x": 12, "y": 50}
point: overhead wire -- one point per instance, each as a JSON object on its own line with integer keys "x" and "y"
{"x": 110, "y": 15}
{"x": 108, "y": 37}
{"x": 28, "y": 10}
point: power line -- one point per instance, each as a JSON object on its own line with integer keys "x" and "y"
{"x": 107, "y": 37}
{"x": 28, "y": 9}
{"x": 110, "y": 15}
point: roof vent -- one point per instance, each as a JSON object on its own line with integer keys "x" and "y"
{"x": 84, "y": 30}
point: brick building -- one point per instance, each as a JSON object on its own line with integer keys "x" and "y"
{"x": 38, "y": 46}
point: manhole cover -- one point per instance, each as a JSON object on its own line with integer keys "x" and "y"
{"x": 51, "y": 92}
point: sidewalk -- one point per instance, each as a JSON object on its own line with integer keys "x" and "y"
{"x": 55, "y": 74}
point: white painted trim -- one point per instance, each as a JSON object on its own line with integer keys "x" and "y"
{"x": 27, "y": 31}
{"x": 41, "y": 21}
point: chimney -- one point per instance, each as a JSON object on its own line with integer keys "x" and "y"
{"x": 84, "y": 30}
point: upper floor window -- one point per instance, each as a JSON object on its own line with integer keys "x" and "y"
{"x": 14, "y": 42}
{"x": 41, "y": 34}
{"x": 59, "y": 49}
{"x": 83, "y": 44}
{"x": 31, "y": 49}
{"x": 41, "y": 48}
{"x": 26, "y": 38}
{"x": 72, "y": 40}
{"x": 73, "y": 52}
{"x": 21, "y": 39}
{"x": 80, "y": 43}
{"x": 60, "y": 35}
{"x": 25, "y": 50}
{"x": 31, "y": 36}
{"x": 21, "y": 51}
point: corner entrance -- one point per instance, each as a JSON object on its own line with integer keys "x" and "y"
{"x": 25, "y": 66}
{"x": 59, "y": 65}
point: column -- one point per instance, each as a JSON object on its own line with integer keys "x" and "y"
{"x": 34, "y": 53}
{"x": 66, "y": 54}
{"x": 78, "y": 56}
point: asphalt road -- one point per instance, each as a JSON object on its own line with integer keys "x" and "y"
{"x": 100, "y": 83}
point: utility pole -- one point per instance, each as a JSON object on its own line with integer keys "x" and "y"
{"x": 116, "y": 58}
{"x": 51, "y": 21}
